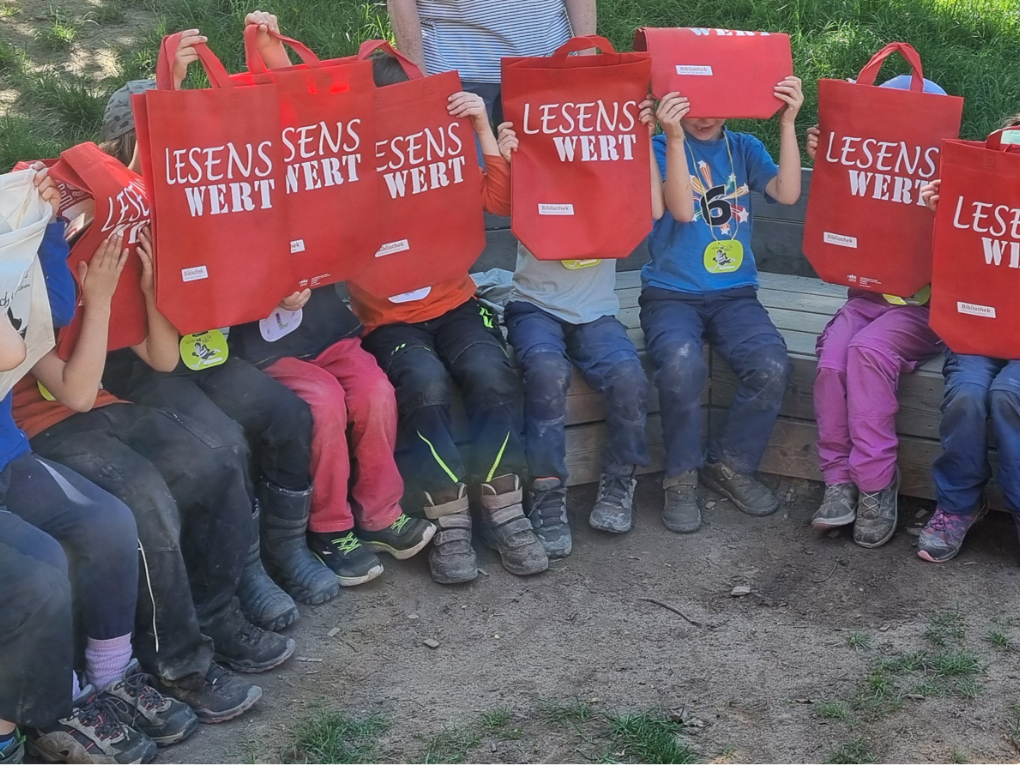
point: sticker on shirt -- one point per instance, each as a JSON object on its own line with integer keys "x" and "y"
{"x": 280, "y": 323}
{"x": 410, "y": 297}
{"x": 203, "y": 350}
{"x": 45, "y": 392}
{"x": 921, "y": 297}
{"x": 574, "y": 265}
{"x": 724, "y": 257}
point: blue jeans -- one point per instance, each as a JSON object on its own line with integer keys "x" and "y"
{"x": 740, "y": 330}
{"x": 978, "y": 388}
{"x": 604, "y": 354}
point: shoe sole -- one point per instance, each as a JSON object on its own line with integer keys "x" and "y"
{"x": 353, "y": 581}
{"x": 681, "y": 529}
{"x": 923, "y": 555}
{"x": 254, "y": 694}
{"x": 454, "y": 579}
{"x": 407, "y": 552}
{"x": 516, "y": 571}
{"x": 253, "y": 669}
{"x": 280, "y": 623}
{"x": 176, "y": 738}
{"x": 610, "y": 529}
{"x": 711, "y": 484}
{"x": 834, "y": 523}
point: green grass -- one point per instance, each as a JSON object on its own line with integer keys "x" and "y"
{"x": 571, "y": 712}
{"x": 859, "y": 641}
{"x": 834, "y": 710}
{"x": 944, "y": 628}
{"x": 648, "y": 737}
{"x": 335, "y": 737}
{"x": 1000, "y": 640}
{"x": 1012, "y": 724}
{"x": 852, "y": 751}
{"x": 451, "y": 745}
{"x": 59, "y": 34}
{"x": 957, "y": 757}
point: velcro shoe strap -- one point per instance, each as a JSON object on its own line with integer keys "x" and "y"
{"x": 507, "y": 499}
{"x": 459, "y": 505}
{"x": 460, "y": 520}
{"x": 452, "y": 535}
{"x": 507, "y": 514}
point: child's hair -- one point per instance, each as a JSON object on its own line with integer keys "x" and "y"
{"x": 1013, "y": 121}
{"x": 386, "y": 70}
{"x": 122, "y": 148}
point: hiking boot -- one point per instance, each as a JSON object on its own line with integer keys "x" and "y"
{"x": 217, "y": 697}
{"x": 942, "y": 537}
{"x": 509, "y": 531}
{"x": 745, "y": 491}
{"x": 681, "y": 512}
{"x": 346, "y": 557}
{"x": 140, "y": 706}
{"x": 91, "y": 734}
{"x": 877, "y": 514}
{"x": 403, "y": 539}
{"x": 244, "y": 647}
{"x": 614, "y": 504}
{"x": 838, "y": 508}
{"x": 14, "y": 752}
{"x": 262, "y": 601}
{"x": 284, "y": 549}
{"x": 548, "y": 516}
{"x": 452, "y": 558}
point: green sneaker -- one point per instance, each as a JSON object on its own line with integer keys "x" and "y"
{"x": 403, "y": 539}
{"x": 14, "y": 752}
{"x": 343, "y": 553}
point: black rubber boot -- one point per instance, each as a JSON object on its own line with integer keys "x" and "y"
{"x": 263, "y": 603}
{"x": 284, "y": 549}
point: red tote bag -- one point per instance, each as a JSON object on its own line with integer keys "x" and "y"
{"x": 866, "y": 225}
{"x": 120, "y": 206}
{"x": 726, "y": 74}
{"x": 214, "y": 168}
{"x": 976, "y": 264}
{"x": 580, "y": 178}
{"x": 430, "y": 193}
{"x": 328, "y": 136}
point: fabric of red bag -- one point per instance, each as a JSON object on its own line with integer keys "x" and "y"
{"x": 725, "y": 73}
{"x": 430, "y": 213}
{"x": 580, "y": 177}
{"x": 121, "y": 206}
{"x": 213, "y": 161}
{"x": 866, "y": 225}
{"x": 976, "y": 260}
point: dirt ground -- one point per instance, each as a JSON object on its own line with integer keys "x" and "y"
{"x": 753, "y": 676}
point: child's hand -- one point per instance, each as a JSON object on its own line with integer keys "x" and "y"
{"x": 99, "y": 278}
{"x": 295, "y": 301}
{"x": 47, "y": 188}
{"x": 672, "y": 108}
{"x": 469, "y": 105}
{"x": 270, "y": 48}
{"x": 813, "y": 134}
{"x": 647, "y": 114}
{"x": 507, "y": 140}
{"x": 144, "y": 250}
{"x": 186, "y": 54}
{"x": 791, "y": 93}
{"x": 930, "y": 194}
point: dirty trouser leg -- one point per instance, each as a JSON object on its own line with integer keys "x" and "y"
{"x": 1005, "y": 411}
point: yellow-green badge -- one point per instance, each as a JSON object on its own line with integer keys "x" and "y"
{"x": 204, "y": 349}
{"x": 921, "y": 297}
{"x": 724, "y": 256}
{"x": 573, "y": 265}
{"x": 45, "y": 392}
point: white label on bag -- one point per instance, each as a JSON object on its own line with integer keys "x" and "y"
{"x": 840, "y": 240}
{"x": 280, "y": 323}
{"x": 973, "y": 309}
{"x": 194, "y": 274}
{"x": 694, "y": 69}
{"x": 555, "y": 209}
{"x": 298, "y": 245}
{"x": 401, "y": 245}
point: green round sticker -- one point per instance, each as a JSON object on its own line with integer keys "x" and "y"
{"x": 724, "y": 257}
{"x": 202, "y": 350}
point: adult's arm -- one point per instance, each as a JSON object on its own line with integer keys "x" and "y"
{"x": 582, "y": 16}
{"x": 407, "y": 29}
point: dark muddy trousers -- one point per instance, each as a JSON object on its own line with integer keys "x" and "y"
{"x": 739, "y": 329}
{"x": 185, "y": 484}
{"x": 546, "y": 347}
{"x": 463, "y": 348}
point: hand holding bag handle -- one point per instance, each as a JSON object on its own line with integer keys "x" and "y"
{"x": 253, "y": 58}
{"x": 216, "y": 72}
{"x": 870, "y": 71}
{"x": 575, "y": 44}
{"x": 371, "y": 46}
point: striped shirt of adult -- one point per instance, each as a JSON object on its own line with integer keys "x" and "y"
{"x": 471, "y": 36}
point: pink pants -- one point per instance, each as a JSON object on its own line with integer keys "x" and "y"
{"x": 347, "y": 390}
{"x": 861, "y": 355}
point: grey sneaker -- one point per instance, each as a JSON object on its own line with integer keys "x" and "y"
{"x": 614, "y": 505}
{"x": 745, "y": 491}
{"x": 877, "y": 513}
{"x": 838, "y": 508}
{"x": 452, "y": 558}
{"x": 682, "y": 513}
{"x": 548, "y": 516}
{"x": 508, "y": 530}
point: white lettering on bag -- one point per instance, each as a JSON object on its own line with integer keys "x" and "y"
{"x": 128, "y": 212}
{"x": 244, "y": 170}
{"x": 555, "y": 209}
{"x": 889, "y": 171}
{"x": 401, "y": 245}
{"x": 194, "y": 274}
{"x": 322, "y": 155}
{"x": 840, "y": 240}
{"x": 1000, "y": 222}
{"x": 424, "y": 161}
{"x": 694, "y": 70}
{"x": 596, "y": 131}
{"x": 973, "y": 309}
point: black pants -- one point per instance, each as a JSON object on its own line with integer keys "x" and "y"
{"x": 424, "y": 361}
{"x": 278, "y": 424}
{"x": 36, "y": 632}
{"x": 186, "y": 485}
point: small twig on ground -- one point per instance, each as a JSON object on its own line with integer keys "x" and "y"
{"x": 831, "y": 572}
{"x": 676, "y": 611}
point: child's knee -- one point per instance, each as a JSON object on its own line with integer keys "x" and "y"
{"x": 967, "y": 402}
{"x": 547, "y": 377}
{"x": 629, "y": 389}
{"x": 682, "y": 373}
{"x": 1004, "y": 406}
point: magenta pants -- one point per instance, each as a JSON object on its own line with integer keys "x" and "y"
{"x": 861, "y": 354}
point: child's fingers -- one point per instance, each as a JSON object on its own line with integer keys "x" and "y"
{"x": 83, "y": 270}
{"x": 505, "y": 126}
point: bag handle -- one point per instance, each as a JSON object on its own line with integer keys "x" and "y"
{"x": 584, "y": 42}
{"x": 215, "y": 71}
{"x": 870, "y": 71}
{"x": 257, "y": 65}
{"x": 996, "y": 143}
{"x": 369, "y": 47}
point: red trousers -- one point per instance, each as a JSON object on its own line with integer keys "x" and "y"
{"x": 354, "y": 431}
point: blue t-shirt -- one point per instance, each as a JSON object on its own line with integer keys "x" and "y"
{"x": 696, "y": 256}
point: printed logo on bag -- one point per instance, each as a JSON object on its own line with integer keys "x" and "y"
{"x": 840, "y": 240}
{"x": 694, "y": 70}
{"x": 194, "y": 274}
{"x": 321, "y": 155}
{"x": 202, "y": 350}
{"x": 973, "y": 309}
{"x": 424, "y": 161}
{"x": 591, "y": 132}
{"x": 298, "y": 245}
{"x": 225, "y": 179}
{"x": 999, "y": 226}
{"x": 128, "y": 212}
{"x": 890, "y": 171}
{"x": 555, "y": 209}
{"x": 401, "y": 245}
